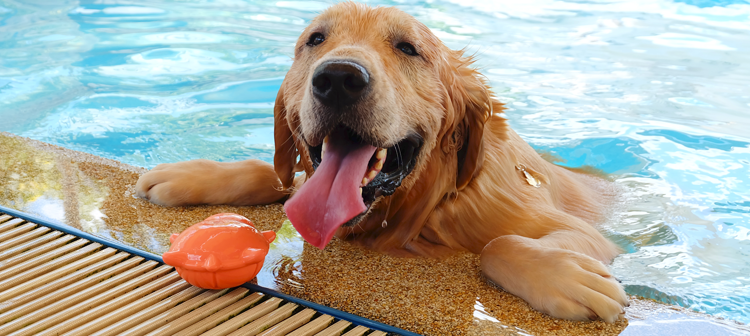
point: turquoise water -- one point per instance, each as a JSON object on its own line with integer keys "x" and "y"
{"x": 656, "y": 93}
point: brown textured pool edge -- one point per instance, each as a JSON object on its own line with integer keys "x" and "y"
{"x": 133, "y": 293}
{"x": 431, "y": 297}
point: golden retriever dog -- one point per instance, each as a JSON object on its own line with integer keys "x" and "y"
{"x": 402, "y": 148}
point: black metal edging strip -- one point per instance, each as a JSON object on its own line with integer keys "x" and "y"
{"x": 150, "y": 256}
{"x": 359, "y": 320}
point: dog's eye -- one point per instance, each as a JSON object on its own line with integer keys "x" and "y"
{"x": 315, "y": 39}
{"x": 407, "y": 48}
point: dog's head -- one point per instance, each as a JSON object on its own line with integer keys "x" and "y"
{"x": 378, "y": 112}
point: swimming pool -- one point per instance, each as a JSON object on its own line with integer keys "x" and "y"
{"x": 655, "y": 93}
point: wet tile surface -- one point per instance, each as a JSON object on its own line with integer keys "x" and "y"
{"x": 432, "y": 297}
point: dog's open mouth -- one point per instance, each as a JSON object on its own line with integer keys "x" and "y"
{"x": 385, "y": 169}
{"x": 349, "y": 176}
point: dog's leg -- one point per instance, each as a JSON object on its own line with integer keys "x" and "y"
{"x": 248, "y": 182}
{"x": 559, "y": 273}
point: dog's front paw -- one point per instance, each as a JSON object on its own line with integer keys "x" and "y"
{"x": 561, "y": 283}
{"x": 248, "y": 182}
{"x": 175, "y": 184}
{"x": 578, "y": 287}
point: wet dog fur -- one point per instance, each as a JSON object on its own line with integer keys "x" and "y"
{"x": 465, "y": 193}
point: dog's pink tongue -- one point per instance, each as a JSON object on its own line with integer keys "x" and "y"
{"x": 331, "y": 196}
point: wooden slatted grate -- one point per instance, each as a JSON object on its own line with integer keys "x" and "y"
{"x": 53, "y": 283}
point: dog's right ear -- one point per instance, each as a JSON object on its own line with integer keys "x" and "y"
{"x": 285, "y": 157}
{"x": 468, "y": 105}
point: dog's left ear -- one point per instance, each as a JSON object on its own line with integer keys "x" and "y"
{"x": 286, "y": 154}
{"x": 470, "y": 100}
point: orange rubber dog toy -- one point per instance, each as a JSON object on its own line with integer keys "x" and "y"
{"x": 223, "y": 251}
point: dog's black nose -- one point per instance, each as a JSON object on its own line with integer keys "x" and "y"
{"x": 340, "y": 83}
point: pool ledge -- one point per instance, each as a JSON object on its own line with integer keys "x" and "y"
{"x": 447, "y": 297}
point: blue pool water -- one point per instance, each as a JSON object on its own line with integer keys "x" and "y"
{"x": 654, "y": 92}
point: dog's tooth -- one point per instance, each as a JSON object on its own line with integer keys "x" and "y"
{"x": 323, "y": 148}
{"x": 365, "y": 181}
{"x": 360, "y": 191}
{"x": 372, "y": 175}
{"x": 381, "y": 154}
{"x": 378, "y": 165}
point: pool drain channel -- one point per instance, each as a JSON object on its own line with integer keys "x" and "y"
{"x": 55, "y": 280}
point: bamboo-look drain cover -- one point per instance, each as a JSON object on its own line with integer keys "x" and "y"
{"x": 53, "y": 283}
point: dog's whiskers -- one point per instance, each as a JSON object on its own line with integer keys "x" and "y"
{"x": 399, "y": 160}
